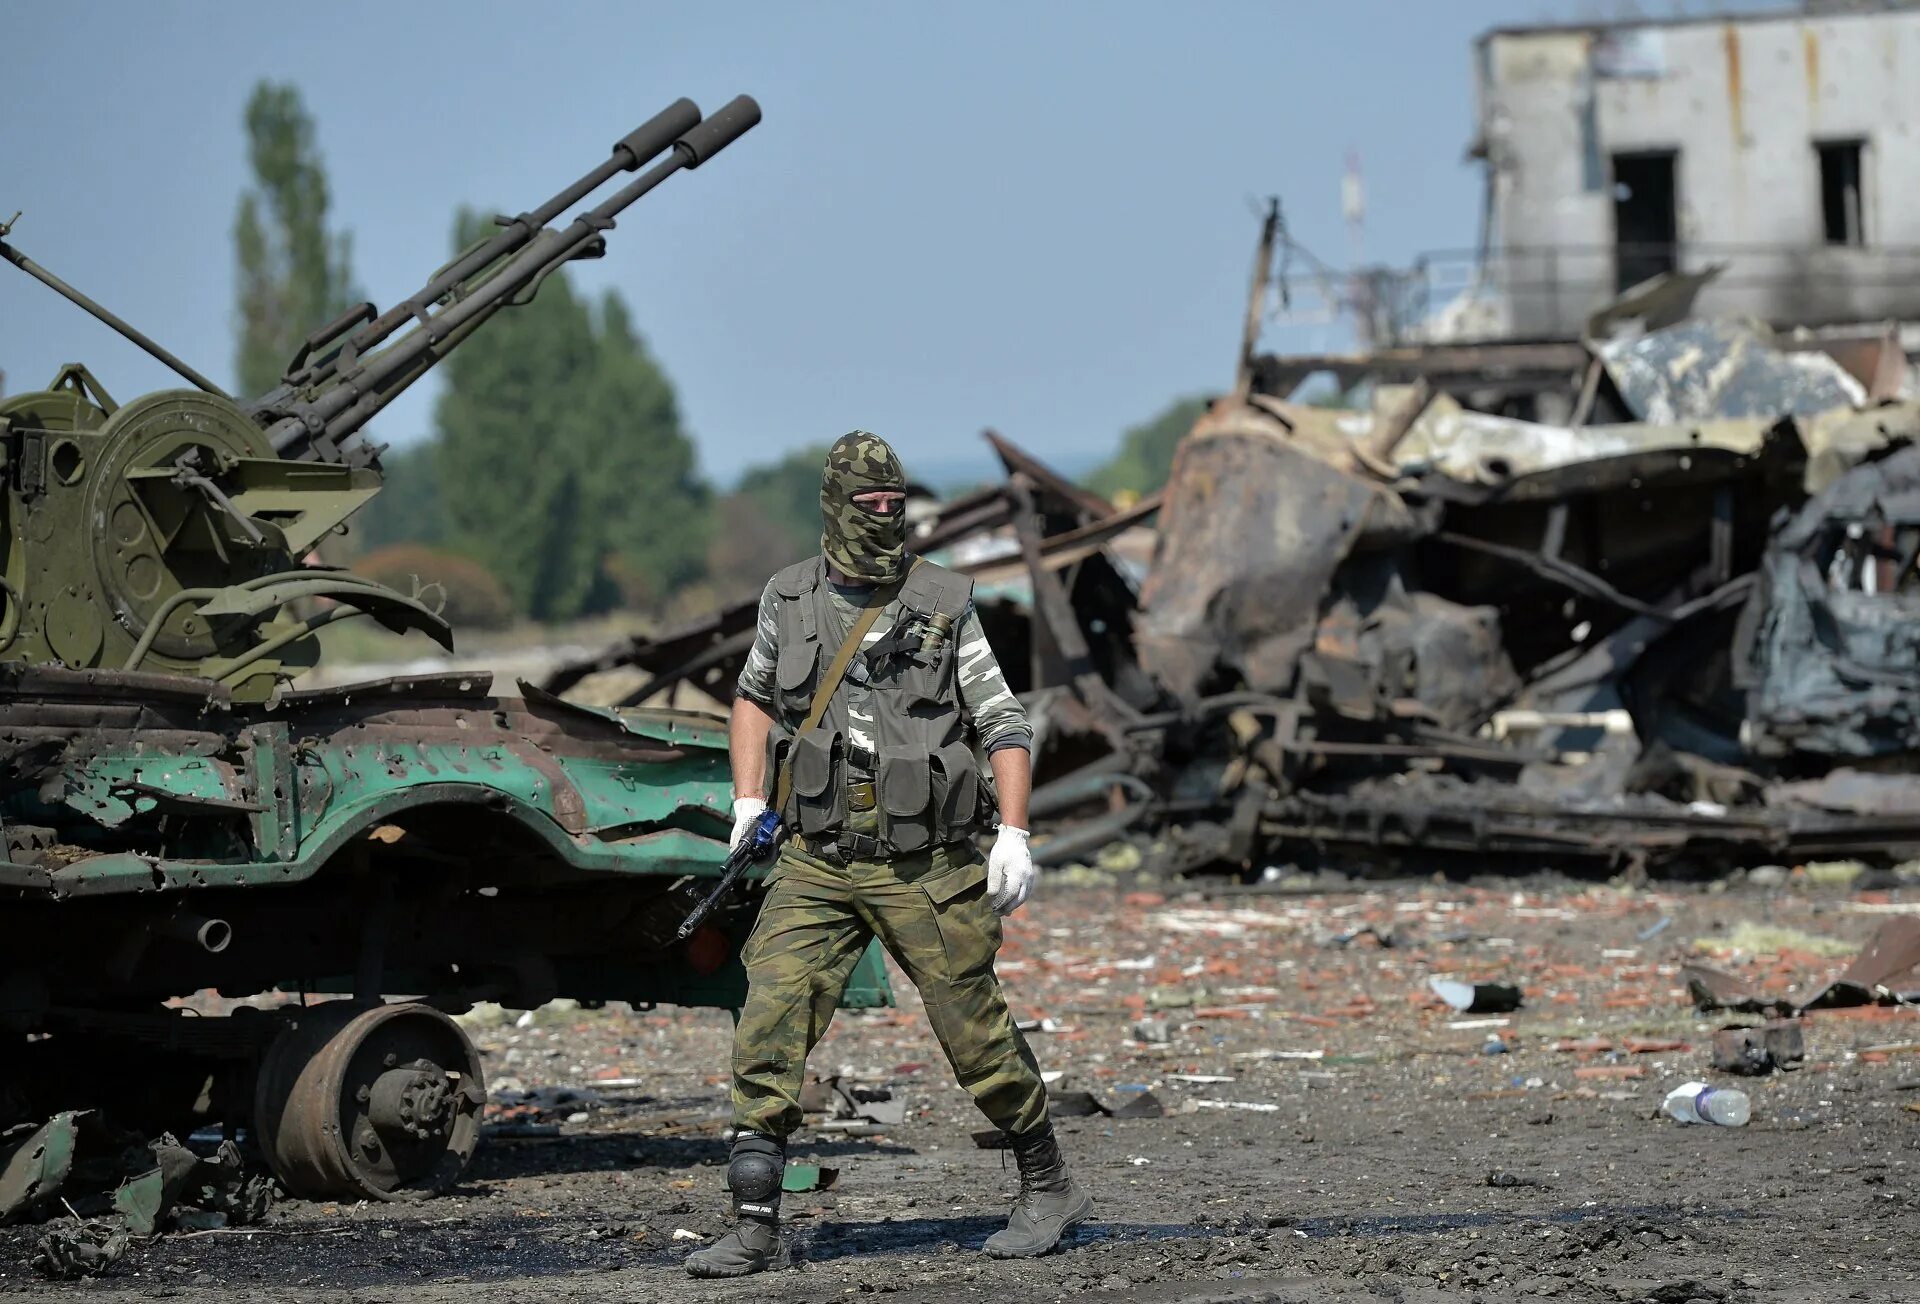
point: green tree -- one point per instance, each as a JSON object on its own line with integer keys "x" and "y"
{"x": 409, "y": 507}
{"x": 787, "y": 494}
{"x": 508, "y": 482}
{"x": 293, "y": 272}
{"x": 1146, "y": 451}
{"x": 641, "y": 483}
{"x": 561, "y": 461}
{"x": 772, "y": 518}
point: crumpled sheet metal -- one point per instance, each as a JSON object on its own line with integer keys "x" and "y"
{"x": 71, "y": 1250}
{"x": 1698, "y": 370}
{"x": 1477, "y": 448}
{"x": 1887, "y": 972}
{"x": 1251, "y": 531}
{"x": 145, "y": 1199}
{"x": 35, "y": 1163}
{"x": 1831, "y": 669}
{"x": 1840, "y": 440}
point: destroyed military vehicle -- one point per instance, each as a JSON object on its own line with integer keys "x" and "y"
{"x": 1422, "y": 634}
{"x": 178, "y": 818}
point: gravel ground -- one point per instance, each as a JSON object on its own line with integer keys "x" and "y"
{"x": 1356, "y": 1146}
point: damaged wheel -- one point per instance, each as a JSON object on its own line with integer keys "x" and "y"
{"x": 357, "y": 1102}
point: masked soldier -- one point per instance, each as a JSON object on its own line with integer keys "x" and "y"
{"x": 868, "y": 695}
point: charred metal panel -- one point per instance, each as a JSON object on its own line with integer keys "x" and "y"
{"x": 1833, "y": 654}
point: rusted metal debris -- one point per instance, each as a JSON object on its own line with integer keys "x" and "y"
{"x": 1428, "y": 635}
{"x": 1886, "y": 972}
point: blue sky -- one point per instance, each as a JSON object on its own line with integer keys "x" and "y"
{"x": 1031, "y": 217}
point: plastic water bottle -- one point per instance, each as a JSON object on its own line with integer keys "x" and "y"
{"x": 1696, "y": 1102}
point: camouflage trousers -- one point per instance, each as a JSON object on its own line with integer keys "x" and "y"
{"x": 930, "y": 912}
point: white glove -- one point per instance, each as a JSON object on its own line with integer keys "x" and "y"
{"x": 745, "y": 811}
{"x": 1009, "y": 871}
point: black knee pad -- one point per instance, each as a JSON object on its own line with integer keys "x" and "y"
{"x": 754, "y": 1172}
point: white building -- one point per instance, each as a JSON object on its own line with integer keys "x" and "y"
{"x": 1784, "y": 145}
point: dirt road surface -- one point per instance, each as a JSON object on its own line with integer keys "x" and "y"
{"x": 1330, "y": 1132}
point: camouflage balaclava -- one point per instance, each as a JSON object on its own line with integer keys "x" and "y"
{"x": 860, "y": 544}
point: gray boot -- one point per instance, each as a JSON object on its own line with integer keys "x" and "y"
{"x": 754, "y": 1244}
{"x": 1050, "y": 1204}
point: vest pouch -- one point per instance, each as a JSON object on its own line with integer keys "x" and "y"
{"x": 921, "y": 681}
{"x": 793, "y": 673}
{"x": 956, "y": 790}
{"x": 820, "y": 802}
{"x": 906, "y": 807}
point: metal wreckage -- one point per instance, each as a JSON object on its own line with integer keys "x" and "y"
{"x": 177, "y": 818}
{"x": 1430, "y": 636}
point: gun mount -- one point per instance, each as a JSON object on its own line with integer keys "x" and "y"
{"x": 172, "y": 533}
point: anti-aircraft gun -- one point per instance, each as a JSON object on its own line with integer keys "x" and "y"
{"x": 175, "y": 817}
{"x": 172, "y": 533}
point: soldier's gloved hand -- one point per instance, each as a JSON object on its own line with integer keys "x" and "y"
{"x": 1009, "y": 871}
{"x": 745, "y": 811}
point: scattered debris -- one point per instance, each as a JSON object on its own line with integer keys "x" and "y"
{"x": 542, "y": 1104}
{"x": 1074, "y": 1104}
{"x": 800, "y": 1178}
{"x": 69, "y": 1251}
{"x": 114, "y": 1190}
{"x": 1476, "y": 998}
{"x": 851, "y": 1107}
{"x": 1139, "y": 1104}
{"x": 1153, "y": 1032}
{"x": 1755, "y": 1051}
{"x": 1885, "y": 972}
{"x": 520, "y": 1131}
{"x": 1583, "y": 1045}
{"x": 221, "y": 1187}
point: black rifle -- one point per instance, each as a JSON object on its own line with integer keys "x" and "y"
{"x": 762, "y": 840}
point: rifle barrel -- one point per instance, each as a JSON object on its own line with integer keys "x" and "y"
{"x": 640, "y": 146}
{"x": 359, "y": 394}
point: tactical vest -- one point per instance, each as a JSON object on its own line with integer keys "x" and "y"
{"x": 928, "y": 785}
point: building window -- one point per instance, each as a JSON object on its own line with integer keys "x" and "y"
{"x": 1842, "y": 198}
{"x": 1646, "y": 216}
